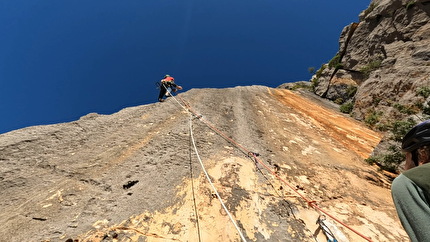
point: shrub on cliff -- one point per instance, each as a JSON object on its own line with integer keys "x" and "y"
{"x": 347, "y": 107}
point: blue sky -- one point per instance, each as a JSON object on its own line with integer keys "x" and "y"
{"x": 60, "y": 60}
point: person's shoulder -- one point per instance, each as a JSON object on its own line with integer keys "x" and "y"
{"x": 400, "y": 181}
{"x": 420, "y": 175}
{"x": 418, "y": 171}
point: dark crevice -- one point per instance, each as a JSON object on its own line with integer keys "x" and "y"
{"x": 40, "y": 219}
{"x": 341, "y": 55}
{"x": 129, "y": 184}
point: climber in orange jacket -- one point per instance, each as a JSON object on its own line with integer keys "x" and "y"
{"x": 167, "y": 86}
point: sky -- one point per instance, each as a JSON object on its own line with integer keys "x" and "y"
{"x": 60, "y": 60}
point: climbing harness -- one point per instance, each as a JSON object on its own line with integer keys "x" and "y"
{"x": 247, "y": 152}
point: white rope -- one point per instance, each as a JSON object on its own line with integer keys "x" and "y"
{"x": 210, "y": 181}
{"x": 186, "y": 109}
{"x": 204, "y": 169}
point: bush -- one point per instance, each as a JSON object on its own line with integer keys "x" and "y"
{"x": 424, "y": 92}
{"x": 400, "y": 128}
{"x": 405, "y": 109}
{"x": 389, "y": 161}
{"x": 351, "y": 91}
{"x": 301, "y": 85}
{"x": 320, "y": 71}
{"x": 335, "y": 62}
{"x": 374, "y": 160}
{"x": 376, "y": 101}
{"x": 371, "y": 66}
{"x": 347, "y": 107}
{"x": 383, "y": 127}
{"x": 372, "y": 118}
{"x": 419, "y": 105}
{"x": 315, "y": 81}
{"x": 424, "y": 107}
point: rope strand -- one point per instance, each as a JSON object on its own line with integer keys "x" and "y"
{"x": 192, "y": 188}
{"x": 204, "y": 169}
{"x": 210, "y": 182}
{"x": 247, "y": 152}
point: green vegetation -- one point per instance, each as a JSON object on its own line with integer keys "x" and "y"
{"x": 424, "y": 92}
{"x": 318, "y": 74}
{"x": 320, "y": 71}
{"x": 426, "y": 108}
{"x": 393, "y": 157}
{"x": 376, "y": 101}
{"x": 315, "y": 82}
{"x": 389, "y": 161}
{"x": 312, "y": 70}
{"x": 300, "y": 85}
{"x": 347, "y": 107}
{"x": 410, "y": 4}
{"x": 351, "y": 91}
{"x": 400, "y": 128}
{"x": 383, "y": 127}
{"x": 406, "y": 109}
{"x": 372, "y": 118}
{"x": 371, "y": 66}
{"x": 396, "y": 129}
{"x": 335, "y": 62}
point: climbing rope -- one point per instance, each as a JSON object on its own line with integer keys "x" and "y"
{"x": 193, "y": 190}
{"x": 167, "y": 90}
{"x": 310, "y": 203}
{"x": 204, "y": 169}
{"x": 210, "y": 181}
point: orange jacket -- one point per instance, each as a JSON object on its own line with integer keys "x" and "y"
{"x": 168, "y": 79}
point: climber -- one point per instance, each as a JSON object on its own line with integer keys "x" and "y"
{"x": 411, "y": 189}
{"x": 167, "y": 86}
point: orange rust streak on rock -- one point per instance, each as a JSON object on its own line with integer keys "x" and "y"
{"x": 350, "y": 133}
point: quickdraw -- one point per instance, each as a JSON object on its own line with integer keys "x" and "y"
{"x": 326, "y": 230}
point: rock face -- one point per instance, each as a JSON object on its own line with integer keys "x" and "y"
{"x": 381, "y": 74}
{"x": 385, "y": 58}
{"x": 135, "y": 176}
{"x": 296, "y": 85}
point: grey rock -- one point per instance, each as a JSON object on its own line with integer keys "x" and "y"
{"x": 127, "y": 176}
{"x": 386, "y": 55}
{"x": 295, "y": 85}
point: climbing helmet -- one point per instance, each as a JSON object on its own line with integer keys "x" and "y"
{"x": 417, "y": 137}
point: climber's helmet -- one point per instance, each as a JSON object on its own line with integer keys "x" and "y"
{"x": 166, "y": 76}
{"x": 417, "y": 137}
